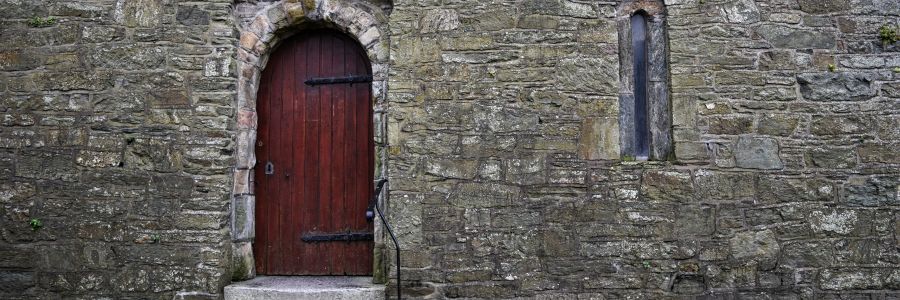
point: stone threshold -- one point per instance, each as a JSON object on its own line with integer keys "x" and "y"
{"x": 305, "y": 287}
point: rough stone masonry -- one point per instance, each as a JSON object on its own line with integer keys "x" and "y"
{"x": 121, "y": 133}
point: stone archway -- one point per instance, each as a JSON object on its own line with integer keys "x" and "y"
{"x": 269, "y": 25}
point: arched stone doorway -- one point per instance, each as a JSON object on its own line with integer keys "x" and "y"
{"x": 270, "y": 26}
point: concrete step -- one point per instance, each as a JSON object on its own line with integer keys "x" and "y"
{"x": 305, "y": 287}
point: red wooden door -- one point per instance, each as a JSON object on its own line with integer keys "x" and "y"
{"x": 315, "y": 159}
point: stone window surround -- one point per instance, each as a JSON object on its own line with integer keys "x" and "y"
{"x": 659, "y": 107}
{"x": 272, "y": 24}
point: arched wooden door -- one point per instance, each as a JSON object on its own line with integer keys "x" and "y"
{"x": 315, "y": 158}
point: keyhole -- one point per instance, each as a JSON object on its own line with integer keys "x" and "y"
{"x": 270, "y": 168}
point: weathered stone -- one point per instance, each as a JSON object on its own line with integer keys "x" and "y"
{"x": 730, "y": 125}
{"x": 888, "y": 127}
{"x": 742, "y": 12}
{"x": 446, "y": 168}
{"x": 439, "y": 20}
{"x": 778, "y": 124}
{"x": 16, "y": 60}
{"x": 151, "y": 154}
{"x": 761, "y": 247}
{"x": 76, "y": 9}
{"x": 892, "y": 280}
{"x": 12, "y": 282}
{"x": 787, "y": 37}
{"x": 98, "y": 159}
{"x": 56, "y": 35}
{"x": 731, "y": 277}
{"x": 100, "y": 34}
{"x": 775, "y": 93}
{"x": 777, "y": 189}
{"x": 740, "y": 78}
{"x": 537, "y": 22}
{"x": 776, "y": 60}
{"x": 844, "y": 279}
{"x": 479, "y": 57}
{"x": 667, "y": 186}
{"x": 502, "y": 119}
{"x": 838, "y": 158}
{"x": 143, "y": 13}
{"x": 168, "y": 99}
{"x": 242, "y": 263}
{"x": 764, "y": 216}
{"x": 717, "y": 186}
{"x": 526, "y": 170}
{"x": 872, "y": 191}
{"x": 15, "y": 9}
{"x": 823, "y": 7}
{"x": 204, "y": 159}
{"x": 840, "y": 222}
{"x": 836, "y": 86}
{"x": 47, "y": 165}
{"x": 558, "y": 244}
{"x": 66, "y": 81}
{"x": 757, "y": 153}
{"x": 484, "y": 195}
{"x": 883, "y": 153}
{"x": 839, "y": 125}
{"x": 192, "y": 15}
{"x": 694, "y": 221}
{"x": 599, "y": 139}
{"x": 242, "y": 222}
{"x": 808, "y": 254}
{"x": 891, "y": 89}
{"x": 493, "y": 18}
{"x": 597, "y": 75}
{"x": 16, "y": 257}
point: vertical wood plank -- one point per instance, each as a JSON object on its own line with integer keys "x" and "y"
{"x": 325, "y": 157}
{"x": 310, "y": 205}
{"x": 301, "y": 134}
{"x": 289, "y": 227}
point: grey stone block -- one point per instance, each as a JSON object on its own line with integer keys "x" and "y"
{"x": 757, "y": 153}
{"x": 788, "y": 37}
{"x": 836, "y": 86}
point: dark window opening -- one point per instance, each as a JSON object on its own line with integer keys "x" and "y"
{"x": 639, "y": 44}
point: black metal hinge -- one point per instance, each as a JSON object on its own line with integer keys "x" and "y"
{"x": 310, "y": 237}
{"x": 337, "y": 80}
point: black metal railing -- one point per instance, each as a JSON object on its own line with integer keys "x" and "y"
{"x": 378, "y": 187}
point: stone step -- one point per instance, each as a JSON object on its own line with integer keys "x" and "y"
{"x": 305, "y": 287}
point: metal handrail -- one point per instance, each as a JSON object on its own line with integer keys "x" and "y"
{"x": 378, "y": 187}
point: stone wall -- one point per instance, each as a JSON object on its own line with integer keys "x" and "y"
{"x": 116, "y": 134}
{"x": 119, "y": 134}
{"x": 784, "y": 182}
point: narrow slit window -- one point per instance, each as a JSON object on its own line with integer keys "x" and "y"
{"x": 645, "y": 114}
{"x": 639, "y": 44}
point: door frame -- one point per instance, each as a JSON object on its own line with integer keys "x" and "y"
{"x": 258, "y": 39}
